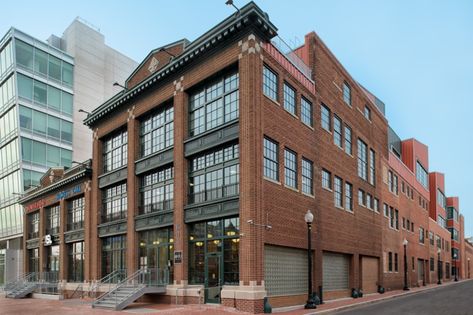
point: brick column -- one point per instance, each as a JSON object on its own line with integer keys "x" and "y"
{"x": 87, "y": 229}
{"x": 250, "y": 295}
{"x": 42, "y": 227}
{"x": 26, "y": 230}
{"x": 62, "y": 245}
{"x": 132, "y": 193}
{"x": 92, "y": 217}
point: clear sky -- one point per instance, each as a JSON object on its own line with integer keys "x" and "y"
{"x": 415, "y": 55}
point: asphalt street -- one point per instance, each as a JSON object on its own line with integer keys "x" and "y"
{"x": 454, "y": 299}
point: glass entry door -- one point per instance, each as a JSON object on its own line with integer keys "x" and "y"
{"x": 213, "y": 278}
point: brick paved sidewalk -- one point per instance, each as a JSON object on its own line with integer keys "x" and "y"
{"x": 347, "y": 303}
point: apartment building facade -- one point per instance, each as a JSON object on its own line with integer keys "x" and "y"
{"x": 43, "y": 84}
{"x": 206, "y": 163}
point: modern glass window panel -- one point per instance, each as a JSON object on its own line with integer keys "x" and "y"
{"x": 67, "y": 73}
{"x": 39, "y": 122}
{"x": 26, "y": 118}
{"x": 25, "y": 87}
{"x": 53, "y": 155}
{"x": 67, "y": 103}
{"x": 41, "y": 62}
{"x": 26, "y": 147}
{"x": 39, "y": 92}
{"x": 39, "y": 156}
{"x": 54, "y": 98}
{"x": 54, "y": 127}
{"x": 54, "y": 68}
{"x": 24, "y": 54}
{"x": 66, "y": 131}
{"x": 66, "y": 157}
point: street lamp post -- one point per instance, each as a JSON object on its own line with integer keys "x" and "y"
{"x": 406, "y": 288}
{"x": 439, "y": 269}
{"x": 309, "y": 217}
{"x": 456, "y": 267}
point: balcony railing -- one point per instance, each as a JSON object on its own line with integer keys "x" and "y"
{"x": 215, "y": 193}
{"x": 114, "y": 216}
{"x": 157, "y": 206}
{"x": 72, "y": 226}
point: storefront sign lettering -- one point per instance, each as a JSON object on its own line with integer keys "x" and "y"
{"x": 69, "y": 192}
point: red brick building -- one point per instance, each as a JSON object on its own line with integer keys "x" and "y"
{"x": 206, "y": 163}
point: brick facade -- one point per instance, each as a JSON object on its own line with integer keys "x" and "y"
{"x": 271, "y": 213}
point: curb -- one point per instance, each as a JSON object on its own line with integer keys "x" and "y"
{"x": 355, "y": 305}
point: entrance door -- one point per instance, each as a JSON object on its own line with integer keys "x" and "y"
{"x": 213, "y": 278}
{"x": 369, "y": 272}
{"x": 420, "y": 270}
{"x": 162, "y": 258}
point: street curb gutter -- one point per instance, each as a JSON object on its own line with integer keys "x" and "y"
{"x": 356, "y": 305}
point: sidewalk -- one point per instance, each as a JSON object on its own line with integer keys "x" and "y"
{"x": 347, "y": 303}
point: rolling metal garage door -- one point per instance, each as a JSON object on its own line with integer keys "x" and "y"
{"x": 369, "y": 272}
{"x": 335, "y": 271}
{"x": 285, "y": 270}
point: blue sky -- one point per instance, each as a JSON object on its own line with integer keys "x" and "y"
{"x": 415, "y": 55}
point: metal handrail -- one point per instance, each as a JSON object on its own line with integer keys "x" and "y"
{"x": 109, "y": 278}
{"x": 79, "y": 287}
{"x": 144, "y": 277}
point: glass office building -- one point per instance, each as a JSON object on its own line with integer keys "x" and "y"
{"x": 36, "y": 107}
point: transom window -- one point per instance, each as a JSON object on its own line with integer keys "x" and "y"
{"x": 115, "y": 151}
{"x": 157, "y": 190}
{"x": 289, "y": 99}
{"x": 271, "y": 159}
{"x": 75, "y": 214}
{"x": 52, "y": 220}
{"x": 325, "y": 117}
{"x": 157, "y": 131}
{"x": 306, "y": 112}
{"x": 346, "y": 93}
{"x": 214, "y": 104}
{"x": 270, "y": 83}
{"x": 290, "y": 168}
{"x": 307, "y": 177}
{"x": 114, "y": 203}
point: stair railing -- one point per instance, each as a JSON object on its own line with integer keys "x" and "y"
{"x": 114, "y": 277}
{"x": 144, "y": 277}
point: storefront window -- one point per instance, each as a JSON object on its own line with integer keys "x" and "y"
{"x": 156, "y": 252}
{"x": 76, "y": 262}
{"x": 113, "y": 254}
{"x": 216, "y": 239}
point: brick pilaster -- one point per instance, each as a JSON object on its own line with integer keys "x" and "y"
{"x": 180, "y": 182}
{"x": 132, "y": 194}
{"x": 62, "y": 245}
{"x": 92, "y": 217}
{"x": 251, "y": 138}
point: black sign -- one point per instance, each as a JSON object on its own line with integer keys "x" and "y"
{"x": 177, "y": 256}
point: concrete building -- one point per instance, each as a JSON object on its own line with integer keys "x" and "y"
{"x": 204, "y": 167}
{"x": 42, "y": 87}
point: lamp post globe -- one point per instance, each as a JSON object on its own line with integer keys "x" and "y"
{"x": 404, "y": 243}
{"x": 309, "y": 218}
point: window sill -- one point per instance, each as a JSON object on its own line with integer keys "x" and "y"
{"x": 291, "y": 188}
{"x": 327, "y": 189}
{"x": 308, "y": 195}
{"x": 308, "y": 126}
{"x": 293, "y": 115}
{"x": 327, "y": 131}
{"x": 272, "y": 100}
{"x": 271, "y": 180}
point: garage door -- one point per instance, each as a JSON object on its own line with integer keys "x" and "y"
{"x": 335, "y": 271}
{"x": 369, "y": 273}
{"x": 285, "y": 270}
